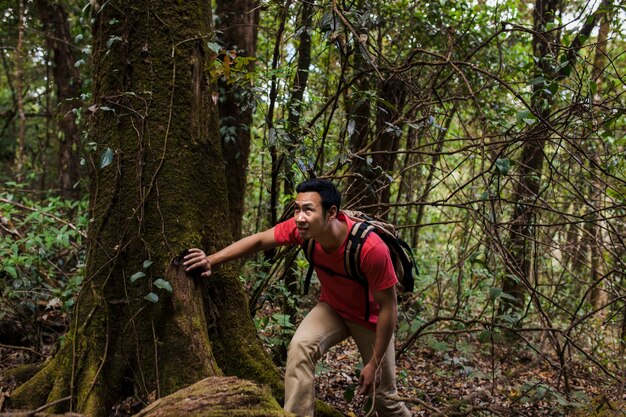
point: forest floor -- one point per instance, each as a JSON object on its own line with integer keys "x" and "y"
{"x": 463, "y": 376}
{"x": 434, "y": 382}
{"x": 463, "y": 379}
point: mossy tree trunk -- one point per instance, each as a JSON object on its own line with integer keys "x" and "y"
{"x": 158, "y": 188}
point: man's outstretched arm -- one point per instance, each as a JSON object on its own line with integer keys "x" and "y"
{"x": 248, "y": 246}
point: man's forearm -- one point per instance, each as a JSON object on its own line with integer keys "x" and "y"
{"x": 387, "y": 317}
{"x": 244, "y": 247}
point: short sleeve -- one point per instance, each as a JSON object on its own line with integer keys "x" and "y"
{"x": 287, "y": 233}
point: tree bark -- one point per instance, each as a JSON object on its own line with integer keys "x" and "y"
{"x": 20, "y": 147}
{"x": 158, "y": 188}
{"x": 302, "y": 72}
{"x": 545, "y": 52}
{"x": 393, "y": 92}
{"x": 213, "y": 397}
{"x": 238, "y": 23}
{"x": 294, "y": 110}
{"x": 428, "y": 185}
{"x": 526, "y": 193}
{"x": 275, "y": 137}
{"x": 597, "y": 294}
{"x": 370, "y": 187}
{"x": 360, "y": 192}
{"x": 68, "y": 84}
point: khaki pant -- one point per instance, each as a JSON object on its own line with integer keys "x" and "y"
{"x": 321, "y": 329}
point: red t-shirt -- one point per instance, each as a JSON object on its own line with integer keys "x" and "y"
{"x": 344, "y": 295}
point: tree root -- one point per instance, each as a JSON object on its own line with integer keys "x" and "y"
{"x": 217, "y": 396}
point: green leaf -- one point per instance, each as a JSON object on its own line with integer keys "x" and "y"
{"x": 351, "y": 125}
{"x": 440, "y": 346}
{"x": 485, "y": 336}
{"x": 162, "y": 284}
{"x": 329, "y": 22}
{"x": 565, "y": 68}
{"x": 554, "y": 88}
{"x": 536, "y": 81}
{"x": 147, "y": 263}
{"x": 152, "y": 297}
{"x": 513, "y": 278}
{"x": 106, "y": 158}
{"x": 474, "y": 258}
{"x": 214, "y": 47}
{"x": 112, "y": 40}
{"x": 541, "y": 391}
{"x": 134, "y": 277}
{"x": 508, "y": 296}
{"x": 348, "y": 394}
{"x": 508, "y": 318}
{"x": 503, "y": 166}
{"x": 494, "y": 293}
{"x": 12, "y": 271}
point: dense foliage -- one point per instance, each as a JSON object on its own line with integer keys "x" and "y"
{"x": 43, "y": 260}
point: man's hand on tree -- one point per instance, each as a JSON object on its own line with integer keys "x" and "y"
{"x": 197, "y": 259}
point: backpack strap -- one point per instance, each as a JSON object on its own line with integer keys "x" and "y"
{"x": 308, "y": 246}
{"x": 353, "y": 248}
{"x": 352, "y": 257}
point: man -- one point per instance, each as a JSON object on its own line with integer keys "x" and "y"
{"x": 340, "y": 311}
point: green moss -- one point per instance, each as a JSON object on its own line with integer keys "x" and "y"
{"x": 34, "y": 392}
{"x": 217, "y": 396}
{"x": 23, "y": 373}
{"x": 324, "y": 410}
{"x": 602, "y": 407}
{"x": 236, "y": 344}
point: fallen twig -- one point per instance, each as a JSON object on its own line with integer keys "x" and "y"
{"x": 31, "y": 350}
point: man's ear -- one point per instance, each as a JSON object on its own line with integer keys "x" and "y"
{"x": 332, "y": 213}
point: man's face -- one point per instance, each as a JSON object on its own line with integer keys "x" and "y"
{"x": 310, "y": 219}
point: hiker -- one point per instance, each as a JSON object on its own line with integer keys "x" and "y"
{"x": 340, "y": 310}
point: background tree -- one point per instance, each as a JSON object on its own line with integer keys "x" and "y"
{"x": 68, "y": 87}
{"x": 238, "y": 21}
{"x": 550, "y": 69}
{"x": 20, "y": 149}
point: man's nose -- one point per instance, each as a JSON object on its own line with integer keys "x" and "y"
{"x": 299, "y": 217}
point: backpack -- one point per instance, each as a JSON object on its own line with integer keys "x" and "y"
{"x": 401, "y": 254}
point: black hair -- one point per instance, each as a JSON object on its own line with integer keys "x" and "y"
{"x": 328, "y": 192}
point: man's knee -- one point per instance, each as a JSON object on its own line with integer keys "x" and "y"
{"x": 301, "y": 351}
